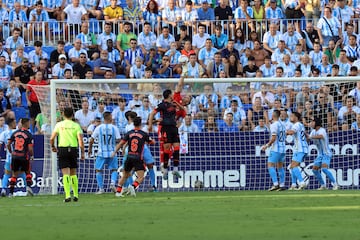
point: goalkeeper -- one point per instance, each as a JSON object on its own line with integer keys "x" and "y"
{"x": 70, "y": 137}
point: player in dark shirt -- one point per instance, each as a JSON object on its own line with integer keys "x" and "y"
{"x": 20, "y": 145}
{"x": 169, "y": 131}
{"x": 136, "y": 140}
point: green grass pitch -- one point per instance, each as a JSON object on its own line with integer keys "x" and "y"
{"x": 185, "y": 215}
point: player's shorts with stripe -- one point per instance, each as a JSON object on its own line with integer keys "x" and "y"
{"x": 299, "y": 157}
{"x": 147, "y": 157}
{"x": 170, "y": 134}
{"x": 134, "y": 163}
{"x": 276, "y": 157}
{"x": 67, "y": 157}
{"x": 322, "y": 159}
{"x": 20, "y": 164}
{"x": 112, "y": 163}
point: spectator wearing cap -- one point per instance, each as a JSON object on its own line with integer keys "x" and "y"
{"x": 104, "y": 36}
{"x": 102, "y": 64}
{"x": 38, "y": 18}
{"x": 22, "y": 74}
{"x": 58, "y": 71}
{"x": 74, "y": 53}
{"x": 17, "y": 56}
{"x": 219, "y": 39}
{"x": 37, "y": 54}
{"x": 147, "y": 39}
{"x": 164, "y": 41}
{"x": 206, "y": 14}
{"x": 82, "y": 67}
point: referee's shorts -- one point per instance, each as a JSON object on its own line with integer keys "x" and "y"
{"x": 67, "y": 157}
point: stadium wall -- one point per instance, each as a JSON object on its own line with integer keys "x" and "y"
{"x": 222, "y": 162}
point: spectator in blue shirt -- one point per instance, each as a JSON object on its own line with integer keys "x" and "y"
{"x": 228, "y": 125}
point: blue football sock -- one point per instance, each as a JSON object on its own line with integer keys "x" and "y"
{"x": 23, "y": 177}
{"x": 114, "y": 177}
{"x": 100, "y": 180}
{"x": 129, "y": 181}
{"x": 152, "y": 177}
{"x": 272, "y": 172}
{"x": 319, "y": 177}
{"x": 293, "y": 177}
{"x": 329, "y": 175}
{"x": 297, "y": 174}
{"x": 281, "y": 172}
{"x": 5, "y": 180}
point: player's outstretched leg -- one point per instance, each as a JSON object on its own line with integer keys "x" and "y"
{"x": 331, "y": 177}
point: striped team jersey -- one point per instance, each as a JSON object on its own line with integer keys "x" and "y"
{"x": 300, "y": 142}
{"x": 4, "y": 137}
{"x": 278, "y": 129}
{"x": 107, "y": 135}
{"x": 321, "y": 144}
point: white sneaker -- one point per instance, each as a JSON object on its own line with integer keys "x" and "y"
{"x": 29, "y": 191}
{"x": 120, "y": 194}
{"x": 321, "y": 188}
{"x": 164, "y": 172}
{"x": 335, "y": 187}
{"x": 292, "y": 188}
{"x": 132, "y": 191}
{"x": 11, "y": 195}
{"x": 113, "y": 188}
{"x": 3, "y": 193}
{"x": 302, "y": 186}
{"x": 101, "y": 191}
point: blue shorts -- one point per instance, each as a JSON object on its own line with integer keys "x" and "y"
{"x": 112, "y": 163}
{"x": 322, "y": 159}
{"x": 148, "y": 158}
{"x": 276, "y": 157}
{"x": 7, "y": 165}
{"x": 299, "y": 157}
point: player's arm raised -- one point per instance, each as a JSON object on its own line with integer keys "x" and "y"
{"x": 180, "y": 85}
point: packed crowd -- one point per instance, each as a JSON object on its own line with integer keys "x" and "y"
{"x": 200, "y": 39}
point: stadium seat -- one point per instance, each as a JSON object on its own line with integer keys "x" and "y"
{"x": 247, "y": 106}
{"x": 91, "y": 64}
{"x": 94, "y": 26}
{"x": 20, "y": 112}
{"x": 200, "y": 123}
{"x": 28, "y": 49}
{"x": 126, "y": 96}
{"x": 23, "y": 100}
{"x": 48, "y": 50}
{"x": 68, "y": 47}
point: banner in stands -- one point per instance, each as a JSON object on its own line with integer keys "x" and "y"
{"x": 221, "y": 161}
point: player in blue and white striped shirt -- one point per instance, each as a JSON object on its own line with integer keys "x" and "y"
{"x": 320, "y": 138}
{"x": 300, "y": 150}
{"x": 277, "y": 152}
{"x": 108, "y": 136}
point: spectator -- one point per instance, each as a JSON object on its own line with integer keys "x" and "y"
{"x": 271, "y": 38}
{"x": 84, "y": 116}
{"x": 328, "y": 27}
{"x": 239, "y": 115}
{"x": 187, "y": 49}
{"x": 104, "y": 36}
{"x": 93, "y": 125}
{"x": 307, "y": 115}
{"x": 170, "y": 16}
{"x": 255, "y": 113}
{"x": 208, "y": 99}
{"x": 291, "y": 38}
{"x": 228, "y": 125}
{"x": 268, "y": 69}
{"x": 6, "y": 73}
{"x": 234, "y": 68}
{"x": 37, "y": 54}
{"x": 206, "y": 54}
{"x": 74, "y": 53}
{"x": 355, "y": 93}
{"x": 164, "y": 41}
{"x": 125, "y": 38}
{"x": 174, "y": 55}
{"x": 152, "y": 15}
{"x": 13, "y": 94}
{"x": 210, "y": 124}
{"x": 39, "y": 18}
{"x": 225, "y": 53}
{"x": 103, "y": 64}
{"x": 343, "y": 12}
{"x": 244, "y": 14}
{"x": 137, "y": 70}
{"x": 352, "y": 49}
{"x": 22, "y": 75}
{"x": 133, "y": 13}
{"x": 343, "y": 63}
{"x": 324, "y": 67}
{"x": 113, "y": 14}
{"x": 316, "y": 54}
{"x": 356, "y": 125}
{"x": 249, "y": 71}
{"x": 333, "y": 50}
{"x": 192, "y": 69}
{"x": 114, "y": 56}
{"x": 266, "y": 97}
{"x": 75, "y": 13}
{"x": 199, "y": 39}
{"x": 60, "y": 49}
{"x": 274, "y": 13}
{"x": 347, "y": 114}
{"x": 259, "y": 53}
{"x": 239, "y": 41}
{"x": 188, "y": 126}
{"x": 164, "y": 71}
{"x": 43, "y": 67}
{"x": 59, "y": 69}
{"x": 101, "y": 109}
{"x": 304, "y": 95}
{"x": 182, "y": 38}
{"x": 297, "y": 54}
{"x": 144, "y": 88}
{"x": 206, "y": 14}
{"x": 118, "y": 115}
{"x": 17, "y": 56}
{"x": 31, "y": 97}
{"x": 278, "y": 54}
{"x": 147, "y": 39}
{"x": 214, "y": 67}
{"x": 82, "y": 67}
{"x": 219, "y": 39}
{"x": 18, "y": 18}
{"x": 294, "y": 10}
{"x": 188, "y": 16}
{"x": 4, "y": 53}
{"x": 349, "y": 31}
{"x": 261, "y": 127}
{"x": 14, "y": 41}
{"x": 288, "y": 66}
{"x": 4, "y": 27}
{"x": 152, "y": 60}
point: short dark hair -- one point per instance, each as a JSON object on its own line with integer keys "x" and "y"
{"x": 318, "y": 121}
{"x": 137, "y": 121}
{"x": 107, "y": 115}
{"x": 68, "y": 112}
{"x": 25, "y": 121}
{"x": 130, "y": 114}
{"x": 276, "y": 113}
{"x": 166, "y": 93}
{"x": 298, "y": 115}
{"x": 38, "y": 44}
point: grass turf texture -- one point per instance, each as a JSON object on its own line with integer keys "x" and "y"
{"x": 185, "y": 215}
